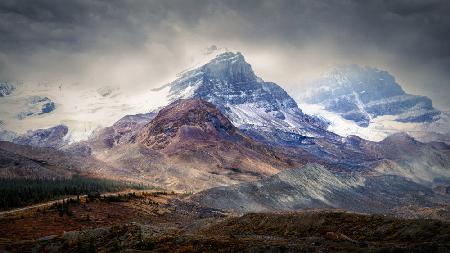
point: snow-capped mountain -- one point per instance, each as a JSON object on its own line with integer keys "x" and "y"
{"x": 365, "y": 102}
{"x": 361, "y": 94}
{"x": 261, "y": 109}
{"x": 368, "y": 102}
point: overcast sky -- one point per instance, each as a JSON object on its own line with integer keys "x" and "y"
{"x": 143, "y": 44}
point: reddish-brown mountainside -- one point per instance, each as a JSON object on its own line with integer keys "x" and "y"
{"x": 191, "y": 145}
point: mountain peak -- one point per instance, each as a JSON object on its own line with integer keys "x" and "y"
{"x": 228, "y": 55}
{"x": 361, "y": 94}
{"x": 230, "y": 67}
{"x": 228, "y": 82}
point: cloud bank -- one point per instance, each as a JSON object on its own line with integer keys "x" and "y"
{"x": 143, "y": 44}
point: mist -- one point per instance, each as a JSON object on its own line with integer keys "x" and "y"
{"x": 139, "y": 45}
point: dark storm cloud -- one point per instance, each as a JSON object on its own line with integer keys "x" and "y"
{"x": 409, "y": 38}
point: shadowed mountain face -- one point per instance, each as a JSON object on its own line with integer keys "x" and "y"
{"x": 50, "y": 137}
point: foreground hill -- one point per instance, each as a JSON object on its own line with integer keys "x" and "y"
{"x": 159, "y": 222}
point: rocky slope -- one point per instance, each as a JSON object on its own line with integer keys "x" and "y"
{"x": 121, "y": 132}
{"x": 161, "y": 222}
{"x": 398, "y": 173}
{"x": 314, "y": 186}
{"x": 55, "y": 137}
{"x": 148, "y": 223}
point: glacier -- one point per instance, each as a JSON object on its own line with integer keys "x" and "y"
{"x": 82, "y": 109}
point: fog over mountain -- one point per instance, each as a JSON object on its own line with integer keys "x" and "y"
{"x": 224, "y": 126}
{"x": 136, "y": 45}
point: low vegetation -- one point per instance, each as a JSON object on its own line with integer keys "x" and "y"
{"x": 19, "y": 192}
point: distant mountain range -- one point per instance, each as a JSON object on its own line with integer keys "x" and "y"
{"x": 244, "y": 144}
{"x": 348, "y": 100}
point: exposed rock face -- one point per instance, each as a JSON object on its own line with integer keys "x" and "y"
{"x": 6, "y": 89}
{"x": 394, "y": 173}
{"x": 49, "y": 137}
{"x": 362, "y": 93}
{"x": 37, "y": 105}
{"x": 257, "y": 107}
